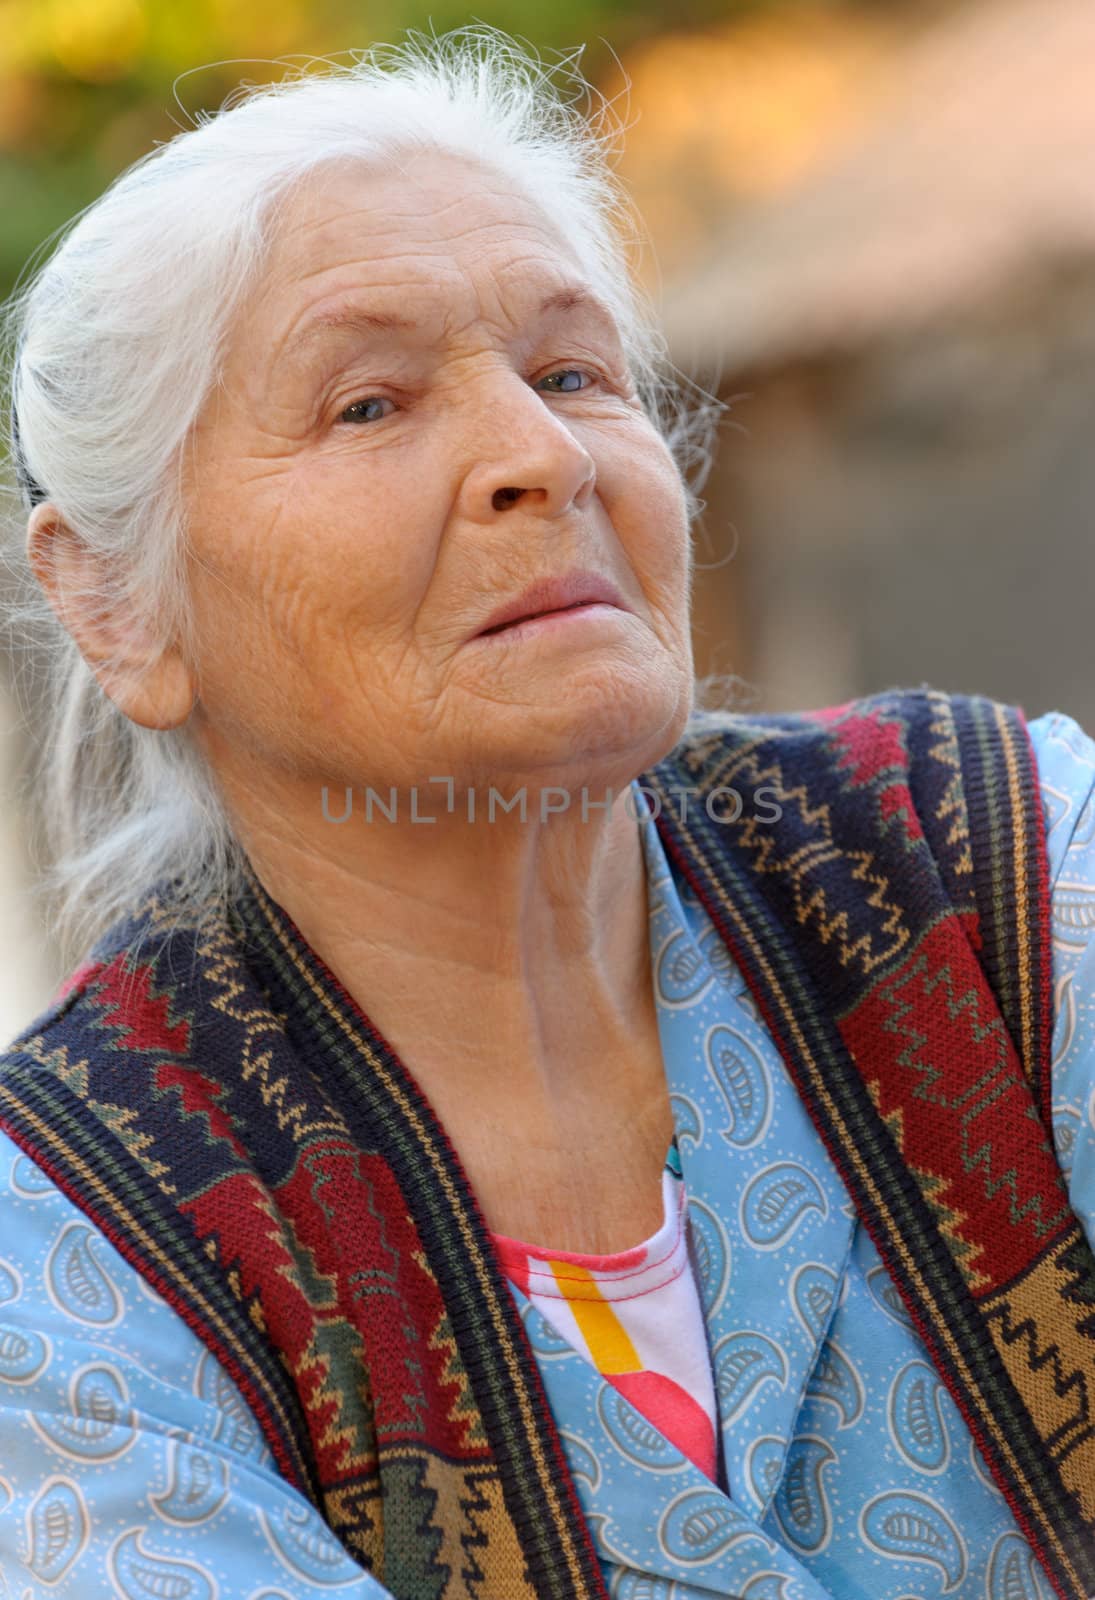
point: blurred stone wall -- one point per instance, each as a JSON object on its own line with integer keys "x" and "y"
{"x": 920, "y": 511}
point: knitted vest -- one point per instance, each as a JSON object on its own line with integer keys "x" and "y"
{"x": 231, "y": 1120}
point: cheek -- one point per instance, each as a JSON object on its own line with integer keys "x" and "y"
{"x": 655, "y": 526}
{"x": 359, "y": 537}
{"x": 299, "y": 561}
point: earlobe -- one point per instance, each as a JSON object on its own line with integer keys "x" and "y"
{"x": 148, "y": 681}
{"x": 161, "y": 697}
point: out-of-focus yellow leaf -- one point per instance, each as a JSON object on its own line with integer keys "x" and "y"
{"x": 95, "y": 40}
{"x": 277, "y": 26}
{"x": 18, "y": 43}
{"x": 19, "y": 105}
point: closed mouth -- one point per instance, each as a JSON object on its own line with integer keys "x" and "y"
{"x": 551, "y": 611}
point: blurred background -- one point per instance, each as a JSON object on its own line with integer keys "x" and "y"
{"x": 872, "y": 232}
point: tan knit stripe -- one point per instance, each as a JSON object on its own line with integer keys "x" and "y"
{"x": 1025, "y": 937}
{"x": 1036, "y": 1305}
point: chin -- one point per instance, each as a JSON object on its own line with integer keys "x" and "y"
{"x": 601, "y": 729}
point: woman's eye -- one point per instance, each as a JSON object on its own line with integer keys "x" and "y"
{"x": 568, "y": 372}
{"x": 358, "y": 412}
{"x": 570, "y": 380}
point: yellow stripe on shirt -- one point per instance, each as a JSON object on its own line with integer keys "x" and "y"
{"x": 601, "y": 1328}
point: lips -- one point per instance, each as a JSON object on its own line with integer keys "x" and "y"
{"x": 554, "y": 594}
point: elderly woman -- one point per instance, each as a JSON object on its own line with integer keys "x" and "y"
{"x": 508, "y": 1134}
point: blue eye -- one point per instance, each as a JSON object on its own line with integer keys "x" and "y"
{"x": 360, "y": 410}
{"x": 355, "y": 412}
{"x": 566, "y": 372}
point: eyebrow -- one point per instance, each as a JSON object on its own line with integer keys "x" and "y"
{"x": 359, "y": 318}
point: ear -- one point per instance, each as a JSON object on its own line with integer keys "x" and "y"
{"x": 152, "y": 685}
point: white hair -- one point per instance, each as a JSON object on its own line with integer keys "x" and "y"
{"x": 116, "y": 341}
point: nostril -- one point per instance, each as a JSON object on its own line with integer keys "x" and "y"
{"x": 505, "y": 497}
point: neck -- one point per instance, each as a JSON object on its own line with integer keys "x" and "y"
{"x": 490, "y": 953}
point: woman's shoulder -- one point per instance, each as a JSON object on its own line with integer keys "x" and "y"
{"x": 65, "y": 1290}
{"x": 124, "y": 984}
{"x": 1064, "y": 751}
{"x": 130, "y": 1454}
{"x": 96, "y": 976}
{"x": 86, "y": 1336}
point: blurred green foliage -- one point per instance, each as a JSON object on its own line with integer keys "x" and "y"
{"x": 86, "y": 86}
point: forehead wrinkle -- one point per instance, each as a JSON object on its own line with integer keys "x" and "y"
{"x": 416, "y": 236}
{"x": 354, "y": 315}
{"x": 305, "y": 248}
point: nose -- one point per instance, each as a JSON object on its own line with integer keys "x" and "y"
{"x": 511, "y": 493}
{"x": 533, "y": 459}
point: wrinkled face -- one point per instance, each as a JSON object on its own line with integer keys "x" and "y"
{"x": 425, "y": 410}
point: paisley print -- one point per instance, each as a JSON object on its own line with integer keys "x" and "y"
{"x": 833, "y": 1298}
{"x": 743, "y": 1361}
{"x": 583, "y": 1460}
{"x": 711, "y": 1252}
{"x": 152, "y": 1424}
{"x": 1013, "y": 1573}
{"x": 1073, "y": 915}
{"x": 304, "y": 1545}
{"x": 237, "y": 1429}
{"x": 627, "y": 1584}
{"x": 77, "y": 1283}
{"x": 718, "y": 958}
{"x": 548, "y": 1343}
{"x": 801, "y": 1503}
{"x": 738, "y": 1069}
{"x": 10, "y": 1286}
{"x": 1066, "y": 1013}
{"x": 680, "y": 972}
{"x": 916, "y": 1417}
{"x": 885, "y": 1294}
{"x": 23, "y": 1356}
{"x": 29, "y": 1181}
{"x": 604, "y": 1530}
{"x": 977, "y": 1462}
{"x": 100, "y": 1424}
{"x": 1068, "y": 1127}
{"x": 150, "y": 1293}
{"x": 687, "y": 1118}
{"x": 1056, "y": 806}
{"x": 140, "y": 1574}
{"x": 767, "y": 1586}
{"x": 813, "y": 1293}
{"x": 686, "y": 895}
{"x": 701, "y": 1524}
{"x": 58, "y": 1529}
{"x": 776, "y": 1201}
{"x": 911, "y": 1527}
{"x": 197, "y": 1486}
{"x": 836, "y": 1380}
{"x": 766, "y": 1457}
{"x": 636, "y": 1438}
